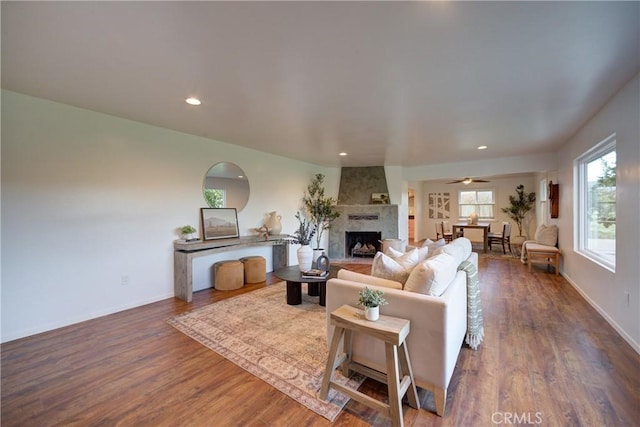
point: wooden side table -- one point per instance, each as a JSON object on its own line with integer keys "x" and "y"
{"x": 399, "y": 377}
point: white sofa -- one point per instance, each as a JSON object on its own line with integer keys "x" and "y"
{"x": 438, "y": 323}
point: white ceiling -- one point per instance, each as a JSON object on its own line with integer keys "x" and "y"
{"x": 391, "y": 83}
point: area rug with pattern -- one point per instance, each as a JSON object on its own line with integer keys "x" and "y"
{"x": 281, "y": 344}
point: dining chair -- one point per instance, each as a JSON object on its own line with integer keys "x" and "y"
{"x": 502, "y": 238}
{"x": 442, "y": 234}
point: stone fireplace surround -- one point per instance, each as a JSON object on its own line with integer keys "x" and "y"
{"x": 354, "y": 218}
{"x": 357, "y": 214}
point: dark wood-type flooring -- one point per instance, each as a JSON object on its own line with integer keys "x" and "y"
{"x": 548, "y": 359}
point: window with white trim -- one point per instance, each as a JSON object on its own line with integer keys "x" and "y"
{"x": 595, "y": 192}
{"x": 481, "y": 202}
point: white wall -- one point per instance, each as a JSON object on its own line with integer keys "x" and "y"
{"x": 604, "y": 289}
{"x": 88, "y": 198}
{"x": 503, "y": 188}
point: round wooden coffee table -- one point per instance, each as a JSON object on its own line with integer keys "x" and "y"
{"x": 293, "y": 276}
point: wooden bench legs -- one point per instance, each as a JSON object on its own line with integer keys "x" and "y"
{"x": 542, "y": 257}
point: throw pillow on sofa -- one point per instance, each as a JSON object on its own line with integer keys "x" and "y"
{"x": 388, "y": 268}
{"x": 433, "y": 245}
{"x": 408, "y": 258}
{"x": 460, "y": 249}
{"x": 368, "y": 280}
{"x": 546, "y": 235}
{"x": 433, "y": 276}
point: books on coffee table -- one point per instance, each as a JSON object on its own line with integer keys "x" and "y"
{"x": 314, "y": 273}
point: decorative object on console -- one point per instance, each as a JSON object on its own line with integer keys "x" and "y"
{"x": 219, "y": 223}
{"x": 371, "y": 300}
{"x": 554, "y": 199}
{"x": 262, "y": 232}
{"x": 380, "y": 198}
{"x": 189, "y": 233}
{"x": 322, "y": 210}
{"x": 273, "y": 224}
{"x": 520, "y": 205}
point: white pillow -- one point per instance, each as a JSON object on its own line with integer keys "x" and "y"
{"x": 368, "y": 280}
{"x": 433, "y": 276}
{"x": 408, "y": 259}
{"x": 460, "y": 248}
{"x": 393, "y": 253}
{"x": 423, "y": 253}
{"x": 433, "y": 246}
{"x": 387, "y": 268}
{"x": 547, "y": 235}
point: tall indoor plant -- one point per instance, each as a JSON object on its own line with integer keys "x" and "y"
{"x": 520, "y": 205}
{"x": 321, "y": 209}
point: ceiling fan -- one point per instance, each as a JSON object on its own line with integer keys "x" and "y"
{"x": 467, "y": 180}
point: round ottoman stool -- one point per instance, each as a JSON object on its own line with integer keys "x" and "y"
{"x": 229, "y": 275}
{"x": 255, "y": 269}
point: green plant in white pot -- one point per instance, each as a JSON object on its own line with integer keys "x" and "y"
{"x": 189, "y": 233}
{"x": 371, "y": 300}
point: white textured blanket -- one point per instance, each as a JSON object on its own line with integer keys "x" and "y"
{"x": 475, "y": 323}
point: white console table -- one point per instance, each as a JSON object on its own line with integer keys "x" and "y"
{"x": 184, "y": 253}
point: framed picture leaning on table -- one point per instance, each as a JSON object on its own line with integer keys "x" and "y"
{"x": 219, "y": 223}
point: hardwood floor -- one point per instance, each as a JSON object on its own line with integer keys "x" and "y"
{"x": 548, "y": 359}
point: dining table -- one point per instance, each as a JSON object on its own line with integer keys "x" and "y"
{"x": 459, "y": 227}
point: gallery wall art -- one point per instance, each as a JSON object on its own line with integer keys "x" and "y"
{"x": 439, "y": 205}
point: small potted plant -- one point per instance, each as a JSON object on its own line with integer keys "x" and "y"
{"x": 371, "y": 300}
{"x": 188, "y": 233}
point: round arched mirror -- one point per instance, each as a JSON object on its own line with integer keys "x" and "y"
{"x": 226, "y": 186}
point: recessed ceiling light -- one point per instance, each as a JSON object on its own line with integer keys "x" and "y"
{"x": 482, "y": 147}
{"x": 343, "y": 154}
{"x": 193, "y": 101}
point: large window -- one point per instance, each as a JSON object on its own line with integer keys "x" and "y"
{"x": 595, "y": 220}
{"x": 479, "y": 201}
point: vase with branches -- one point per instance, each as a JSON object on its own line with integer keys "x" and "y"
{"x": 302, "y": 236}
{"x": 321, "y": 209}
{"x": 304, "y": 233}
{"x": 519, "y": 206}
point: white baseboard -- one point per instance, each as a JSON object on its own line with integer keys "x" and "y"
{"x": 83, "y": 318}
{"x": 604, "y": 314}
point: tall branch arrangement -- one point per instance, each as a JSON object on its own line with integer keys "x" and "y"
{"x": 520, "y": 205}
{"x": 321, "y": 209}
{"x": 304, "y": 233}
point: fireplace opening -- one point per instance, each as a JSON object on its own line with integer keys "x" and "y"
{"x": 361, "y": 243}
